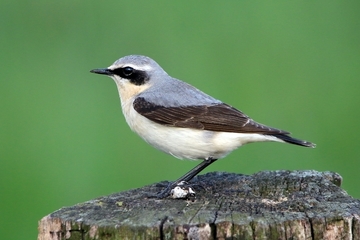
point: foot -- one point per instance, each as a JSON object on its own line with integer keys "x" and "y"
{"x": 180, "y": 190}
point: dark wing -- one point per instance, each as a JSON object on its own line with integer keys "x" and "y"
{"x": 217, "y": 117}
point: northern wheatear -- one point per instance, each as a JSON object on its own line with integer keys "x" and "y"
{"x": 181, "y": 120}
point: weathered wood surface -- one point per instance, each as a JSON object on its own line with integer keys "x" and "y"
{"x": 265, "y": 205}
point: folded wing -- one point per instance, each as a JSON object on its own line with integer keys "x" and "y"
{"x": 217, "y": 117}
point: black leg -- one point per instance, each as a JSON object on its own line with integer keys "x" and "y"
{"x": 187, "y": 177}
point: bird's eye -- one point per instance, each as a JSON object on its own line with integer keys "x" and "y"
{"x": 128, "y": 71}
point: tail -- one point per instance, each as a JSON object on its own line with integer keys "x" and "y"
{"x": 288, "y": 139}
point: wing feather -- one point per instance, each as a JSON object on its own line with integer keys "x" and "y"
{"x": 216, "y": 117}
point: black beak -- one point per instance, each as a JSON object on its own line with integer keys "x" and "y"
{"x": 103, "y": 71}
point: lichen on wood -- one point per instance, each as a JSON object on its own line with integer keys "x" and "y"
{"x": 265, "y": 205}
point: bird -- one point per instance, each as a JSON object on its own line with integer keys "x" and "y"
{"x": 181, "y": 120}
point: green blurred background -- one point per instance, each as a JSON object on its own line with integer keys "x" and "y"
{"x": 294, "y": 65}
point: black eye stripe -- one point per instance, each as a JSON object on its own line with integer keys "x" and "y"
{"x": 136, "y": 77}
{"x": 123, "y": 72}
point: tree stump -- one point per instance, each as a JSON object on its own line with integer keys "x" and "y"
{"x": 265, "y": 205}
